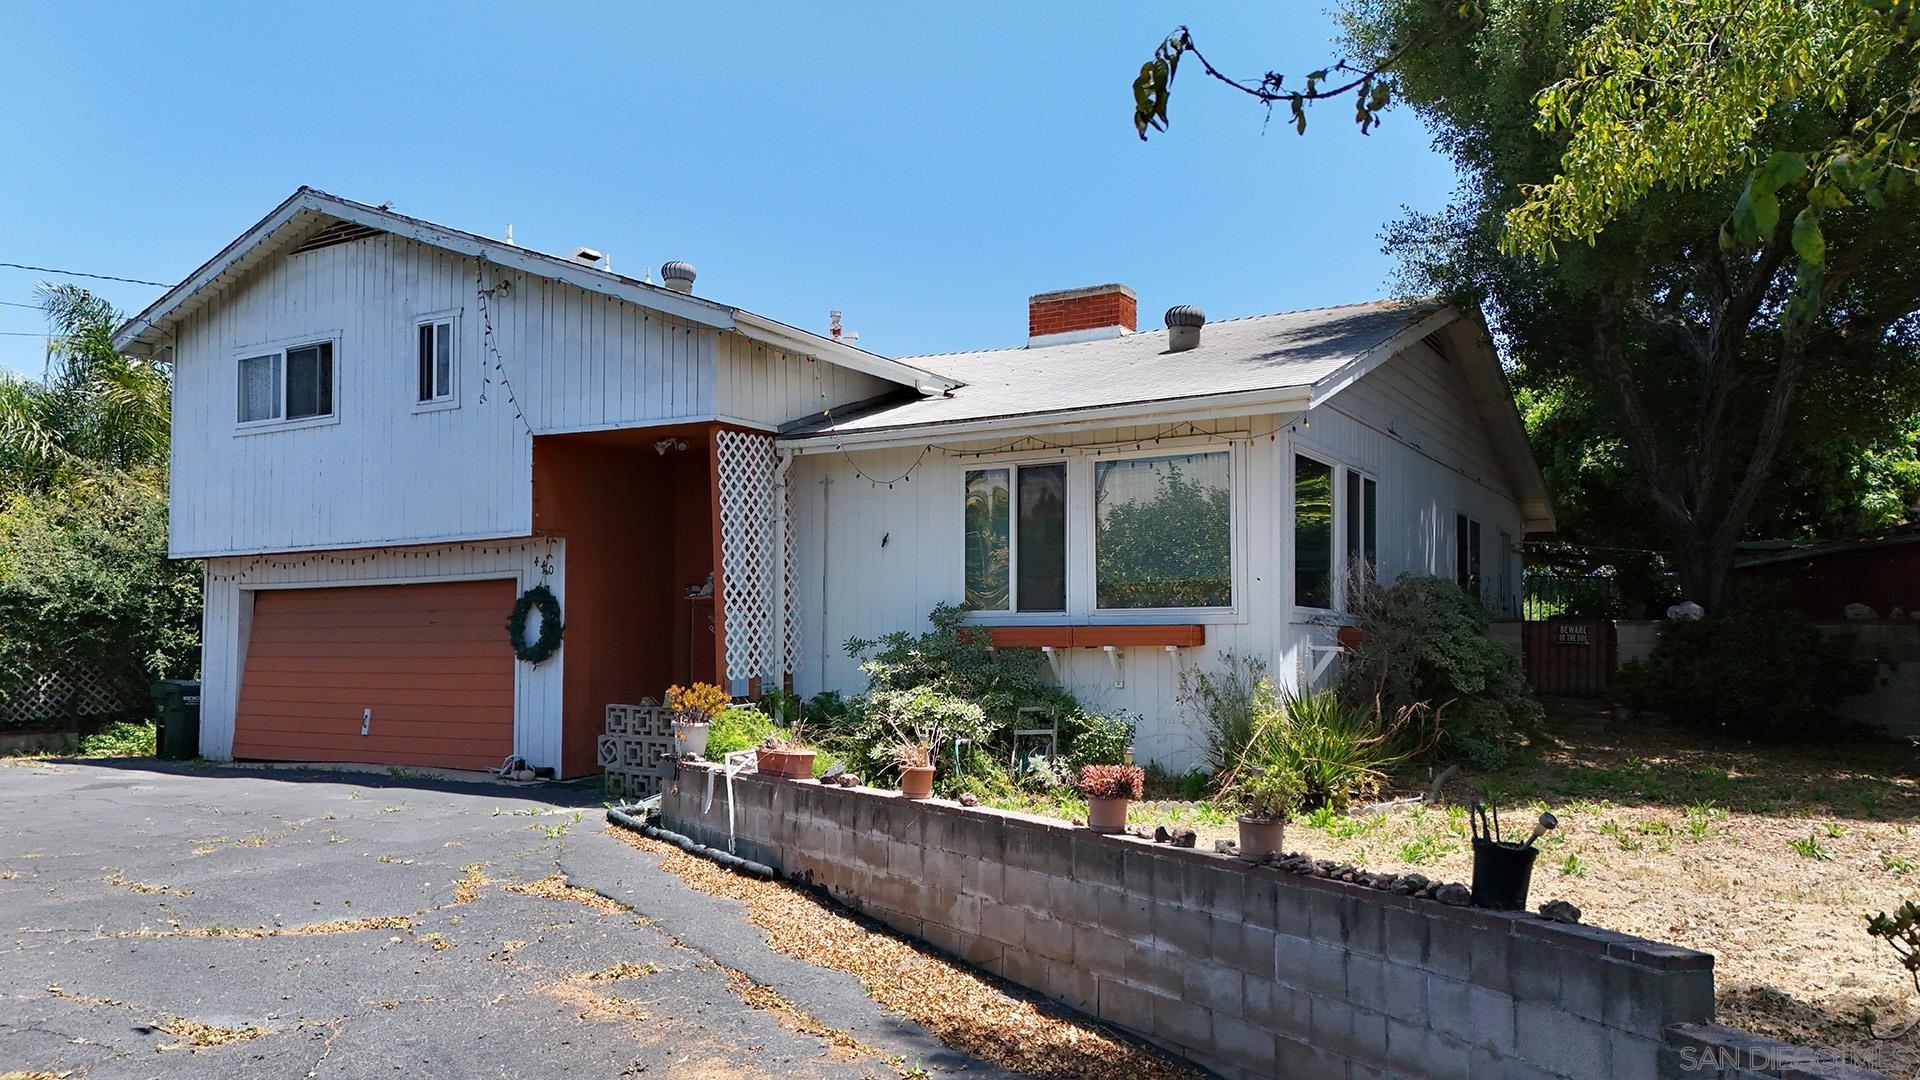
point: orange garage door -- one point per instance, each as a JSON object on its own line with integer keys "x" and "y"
{"x": 431, "y": 661}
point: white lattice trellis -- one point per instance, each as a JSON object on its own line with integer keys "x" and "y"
{"x": 755, "y": 559}
{"x": 74, "y": 691}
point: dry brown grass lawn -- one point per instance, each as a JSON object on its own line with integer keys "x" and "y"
{"x": 1769, "y": 857}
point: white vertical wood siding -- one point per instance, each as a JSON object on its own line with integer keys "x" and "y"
{"x": 873, "y": 559}
{"x": 383, "y": 473}
{"x": 229, "y": 610}
{"x": 765, "y": 387}
{"x": 387, "y": 473}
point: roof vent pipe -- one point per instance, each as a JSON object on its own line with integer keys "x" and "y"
{"x": 1183, "y": 327}
{"x": 678, "y": 276}
{"x": 586, "y": 256}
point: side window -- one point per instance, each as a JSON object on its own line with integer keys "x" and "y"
{"x": 1312, "y": 533}
{"x": 1466, "y": 554}
{"x": 434, "y": 353}
{"x": 1363, "y": 522}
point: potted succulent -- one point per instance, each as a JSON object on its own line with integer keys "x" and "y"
{"x": 916, "y": 768}
{"x": 1264, "y": 796}
{"x": 1108, "y": 790}
{"x": 785, "y": 753}
{"x": 693, "y": 708}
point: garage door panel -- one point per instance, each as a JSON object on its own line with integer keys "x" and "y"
{"x": 374, "y": 620}
{"x": 392, "y": 650}
{"x": 437, "y": 596}
{"x": 408, "y": 631}
{"x": 434, "y": 754}
{"x": 396, "y": 680}
{"x": 299, "y": 662}
{"x": 423, "y": 711}
{"x": 431, "y": 661}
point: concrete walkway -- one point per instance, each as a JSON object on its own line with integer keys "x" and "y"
{"x": 163, "y": 921}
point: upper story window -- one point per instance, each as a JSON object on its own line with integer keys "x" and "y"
{"x": 1017, "y": 538}
{"x": 434, "y": 353}
{"x": 294, "y": 383}
{"x": 1163, "y": 532}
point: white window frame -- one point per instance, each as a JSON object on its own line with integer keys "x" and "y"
{"x": 1480, "y": 587}
{"x": 1343, "y": 512}
{"x": 278, "y": 349}
{"x": 1081, "y": 591}
{"x": 1012, "y": 469}
{"x": 1337, "y": 535}
{"x": 449, "y": 318}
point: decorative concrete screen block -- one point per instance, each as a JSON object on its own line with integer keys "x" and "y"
{"x": 1245, "y": 970}
{"x": 637, "y": 750}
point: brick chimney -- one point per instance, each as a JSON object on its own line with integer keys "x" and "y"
{"x": 1089, "y": 314}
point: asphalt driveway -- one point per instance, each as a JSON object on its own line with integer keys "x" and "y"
{"x": 160, "y": 921}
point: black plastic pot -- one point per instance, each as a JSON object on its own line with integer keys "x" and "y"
{"x": 1502, "y": 874}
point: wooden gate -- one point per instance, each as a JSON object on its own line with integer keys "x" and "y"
{"x": 1569, "y": 657}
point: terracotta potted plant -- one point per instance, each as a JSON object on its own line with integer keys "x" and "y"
{"x": 785, "y": 753}
{"x": 1264, "y": 786}
{"x": 916, "y": 769}
{"x": 1108, "y": 790}
{"x": 693, "y": 708}
{"x": 1264, "y": 796}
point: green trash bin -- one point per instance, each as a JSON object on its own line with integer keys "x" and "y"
{"x": 177, "y": 702}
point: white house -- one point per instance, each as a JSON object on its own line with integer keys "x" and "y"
{"x": 387, "y": 430}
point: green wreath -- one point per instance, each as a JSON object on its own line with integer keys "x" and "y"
{"x": 550, "y": 627}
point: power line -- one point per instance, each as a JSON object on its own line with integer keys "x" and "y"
{"x": 77, "y": 273}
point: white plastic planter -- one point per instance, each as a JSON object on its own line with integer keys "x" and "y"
{"x": 690, "y": 738}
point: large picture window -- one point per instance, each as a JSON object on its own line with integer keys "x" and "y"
{"x": 1016, "y": 548}
{"x": 1163, "y": 532}
{"x": 291, "y": 384}
{"x": 1312, "y": 533}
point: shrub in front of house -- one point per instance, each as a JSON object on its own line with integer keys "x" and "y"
{"x": 1426, "y": 648}
{"x": 946, "y": 681}
{"x": 737, "y": 727}
{"x": 1754, "y": 669}
{"x": 87, "y": 590}
{"x": 1329, "y": 751}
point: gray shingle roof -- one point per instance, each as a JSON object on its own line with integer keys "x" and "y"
{"x": 1261, "y": 352}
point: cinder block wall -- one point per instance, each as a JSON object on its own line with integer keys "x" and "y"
{"x": 1245, "y": 970}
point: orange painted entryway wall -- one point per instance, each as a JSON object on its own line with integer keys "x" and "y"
{"x": 431, "y": 661}
{"x": 639, "y": 530}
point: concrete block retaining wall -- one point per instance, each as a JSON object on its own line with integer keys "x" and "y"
{"x": 1245, "y": 970}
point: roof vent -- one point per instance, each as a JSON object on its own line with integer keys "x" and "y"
{"x": 678, "y": 276}
{"x": 586, "y": 256}
{"x": 1183, "y": 327}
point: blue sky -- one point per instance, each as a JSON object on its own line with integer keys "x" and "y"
{"x": 922, "y": 168}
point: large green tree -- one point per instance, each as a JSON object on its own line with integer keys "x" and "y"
{"x": 1691, "y": 224}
